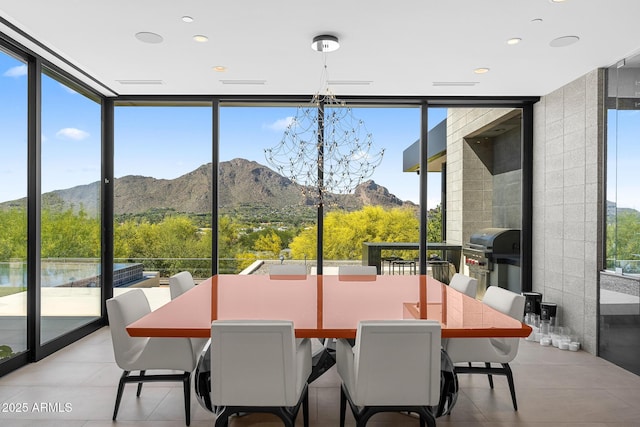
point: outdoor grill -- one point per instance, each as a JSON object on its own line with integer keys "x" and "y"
{"x": 493, "y": 258}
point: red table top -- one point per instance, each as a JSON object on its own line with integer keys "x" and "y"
{"x": 325, "y": 306}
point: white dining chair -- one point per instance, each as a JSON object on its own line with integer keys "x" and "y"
{"x": 180, "y": 283}
{"x": 355, "y": 270}
{"x": 394, "y": 366}
{"x": 465, "y": 284}
{"x": 142, "y": 354}
{"x": 288, "y": 271}
{"x": 259, "y": 366}
{"x": 490, "y": 350}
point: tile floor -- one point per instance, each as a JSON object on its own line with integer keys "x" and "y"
{"x": 554, "y": 388}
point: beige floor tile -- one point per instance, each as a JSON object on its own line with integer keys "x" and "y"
{"x": 554, "y": 388}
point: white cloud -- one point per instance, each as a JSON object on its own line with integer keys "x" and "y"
{"x": 17, "y": 71}
{"x": 280, "y": 124}
{"x": 72, "y": 133}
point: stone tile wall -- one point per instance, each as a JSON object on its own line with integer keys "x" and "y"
{"x": 568, "y": 153}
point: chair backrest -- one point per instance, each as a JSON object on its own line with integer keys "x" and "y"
{"x": 505, "y": 301}
{"x": 442, "y": 271}
{"x": 397, "y": 362}
{"x": 123, "y": 310}
{"x": 511, "y": 304}
{"x": 465, "y": 284}
{"x": 357, "y": 272}
{"x": 180, "y": 283}
{"x": 253, "y": 363}
{"x": 288, "y": 271}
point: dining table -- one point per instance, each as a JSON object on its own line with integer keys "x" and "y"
{"x": 326, "y": 307}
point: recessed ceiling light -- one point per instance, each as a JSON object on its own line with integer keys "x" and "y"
{"x": 481, "y": 70}
{"x": 564, "y": 41}
{"x": 147, "y": 37}
{"x": 200, "y": 38}
{"x": 557, "y": 1}
{"x": 187, "y": 19}
{"x": 219, "y": 68}
{"x": 514, "y": 40}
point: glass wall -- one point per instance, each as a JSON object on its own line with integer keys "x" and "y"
{"x": 381, "y": 200}
{"x": 70, "y": 216}
{"x": 13, "y": 213}
{"x": 261, "y": 210}
{"x": 623, "y": 155}
{"x": 162, "y": 193}
{"x": 619, "y": 339}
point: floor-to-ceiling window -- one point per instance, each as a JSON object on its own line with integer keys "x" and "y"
{"x": 619, "y": 339}
{"x": 160, "y": 230}
{"x": 162, "y": 193}
{"x": 440, "y": 262}
{"x": 261, "y": 209}
{"x": 13, "y": 213}
{"x": 381, "y": 201}
{"x": 70, "y": 214}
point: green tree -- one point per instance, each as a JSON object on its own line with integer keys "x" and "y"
{"x": 623, "y": 237}
{"x": 228, "y": 236}
{"x": 434, "y": 225}
{"x": 245, "y": 259}
{"x": 304, "y": 244}
{"x": 344, "y": 232}
{"x": 69, "y": 235}
{"x": 270, "y": 243}
{"x": 13, "y": 234}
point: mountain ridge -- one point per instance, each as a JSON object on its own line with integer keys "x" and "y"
{"x": 241, "y": 183}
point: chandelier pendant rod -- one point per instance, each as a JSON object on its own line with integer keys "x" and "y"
{"x": 320, "y": 189}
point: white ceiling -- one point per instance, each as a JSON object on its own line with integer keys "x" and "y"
{"x": 399, "y": 47}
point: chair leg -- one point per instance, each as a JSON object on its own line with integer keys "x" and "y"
{"x": 140, "y": 384}
{"x": 119, "y": 394}
{"x": 285, "y": 416}
{"x": 512, "y": 387}
{"x": 343, "y": 406}
{"x": 426, "y": 417}
{"x": 222, "y": 418}
{"x": 365, "y": 414}
{"x": 488, "y": 365}
{"x": 187, "y": 396}
{"x": 305, "y": 409}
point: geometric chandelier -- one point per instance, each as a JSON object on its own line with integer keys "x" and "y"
{"x": 325, "y": 148}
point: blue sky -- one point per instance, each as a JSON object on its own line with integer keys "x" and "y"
{"x": 623, "y": 188}
{"x": 167, "y": 142}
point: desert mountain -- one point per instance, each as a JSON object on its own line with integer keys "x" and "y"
{"x": 241, "y": 183}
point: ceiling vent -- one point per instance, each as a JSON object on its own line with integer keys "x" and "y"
{"x": 349, "y": 82}
{"x": 243, "y": 82}
{"x": 455, "y": 83}
{"x": 140, "y": 82}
